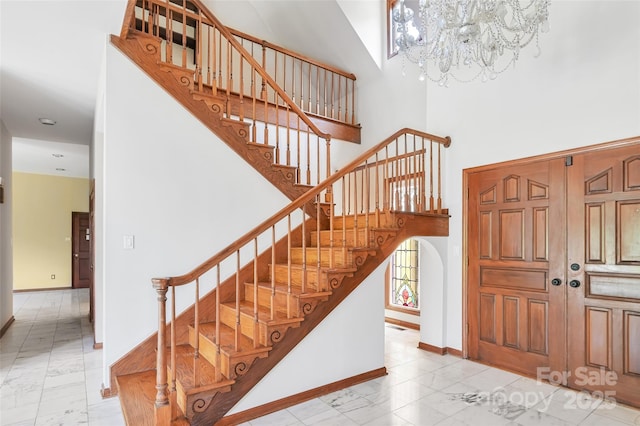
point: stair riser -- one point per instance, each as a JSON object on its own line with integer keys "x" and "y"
{"x": 208, "y": 350}
{"x": 264, "y": 299}
{"x": 382, "y": 221}
{"x": 282, "y": 273}
{"x": 351, "y": 240}
{"x": 247, "y": 324}
{"x": 340, "y": 257}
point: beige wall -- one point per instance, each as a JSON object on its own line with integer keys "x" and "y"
{"x": 42, "y": 207}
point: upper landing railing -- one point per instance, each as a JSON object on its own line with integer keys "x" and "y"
{"x": 317, "y": 88}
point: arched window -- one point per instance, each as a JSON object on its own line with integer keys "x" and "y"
{"x": 403, "y": 282}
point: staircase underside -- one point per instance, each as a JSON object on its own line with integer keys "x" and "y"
{"x": 135, "y": 373}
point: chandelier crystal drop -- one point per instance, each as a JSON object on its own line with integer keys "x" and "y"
{"x": 467, "y": 39}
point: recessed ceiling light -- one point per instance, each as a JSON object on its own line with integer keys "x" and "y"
{"x": 58, "y": 155}
{"x": 60, "y": 169}
{"x": 47, "y": 121}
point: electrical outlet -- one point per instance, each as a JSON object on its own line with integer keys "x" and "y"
{"x": 53, "y": 276}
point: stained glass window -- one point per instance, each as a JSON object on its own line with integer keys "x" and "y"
{"x": 403, "y": 291}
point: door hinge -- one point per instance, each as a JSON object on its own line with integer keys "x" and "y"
{"x": 568, "y": 160}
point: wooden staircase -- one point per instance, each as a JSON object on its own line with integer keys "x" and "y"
{"x": 206, "y": 67}
{"x": 303, "y": 261}
{"x": 216, "y": 351}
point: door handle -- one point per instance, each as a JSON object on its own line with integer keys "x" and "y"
{"x": 556, "y": 281}
{"x": 75, "y": 255}
{"x": 574, "y": 283}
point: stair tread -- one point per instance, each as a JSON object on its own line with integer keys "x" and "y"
{"x": 137, "y": 393}
{"x": 227, "y": 340}
{"x": 186, "y": 366}
{"x": 284, "y": 166}
{"x": 298, "y": 266}
{"x": 261, "y": 146}
{"x": 198, "y": 93}
{"x": 303, "y": 185}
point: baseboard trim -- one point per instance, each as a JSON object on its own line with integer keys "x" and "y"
{"x": 7, "y": 325}
{"x": 454, "y": 352}
{"x": 401, "y": 323}
{"x": 433, "y": 349}
{"x": 97, "y": 345}
{"x": 271, "y": 407}
{"x": 438, "y": 350}
{"x": 25, "y": 290}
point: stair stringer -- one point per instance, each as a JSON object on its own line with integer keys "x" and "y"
{"x": 408, "y": 225}
{"x": 143, "y": 50}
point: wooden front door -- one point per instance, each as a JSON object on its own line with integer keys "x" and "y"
{"x": 604, "y": 273}
{"x": 515, "y": 226}
{"x": 553, "y": 275}
{"x": 80, "y": 250}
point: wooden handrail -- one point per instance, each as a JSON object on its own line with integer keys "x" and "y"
{"x": 291, "y": 53}
{"x": 129, "y": 16}
{"x": 294, "y": 205}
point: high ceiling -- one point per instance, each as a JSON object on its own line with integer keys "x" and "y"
{"x": 50, "y": 57}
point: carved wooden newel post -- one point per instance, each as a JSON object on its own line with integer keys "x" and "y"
{"x": 162, "y": 406}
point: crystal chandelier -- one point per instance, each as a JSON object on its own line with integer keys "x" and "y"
{"x": 467, "y": 39}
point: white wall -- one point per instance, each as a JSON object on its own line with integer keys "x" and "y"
{"x": 584, "y": 89}
{"x": 350, "y": 341}
{"x": 433, "y": 279}
{"x": 6, "y": 232}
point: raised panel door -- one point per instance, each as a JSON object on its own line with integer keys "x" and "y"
{"x": 515, "y": 227}
{"x": 603, "y": 253}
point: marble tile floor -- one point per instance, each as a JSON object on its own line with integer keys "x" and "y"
{"x": 51, "y": 375}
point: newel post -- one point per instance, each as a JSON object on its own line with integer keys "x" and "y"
{"x": 162, "y": 406}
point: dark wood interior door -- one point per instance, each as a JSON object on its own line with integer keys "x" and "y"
{"x": 81, "y": 252}
{"x": 604, "y": 273}
{"x": 515, "y": 232}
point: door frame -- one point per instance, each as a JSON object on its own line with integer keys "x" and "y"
{"x": 465, "y": 208}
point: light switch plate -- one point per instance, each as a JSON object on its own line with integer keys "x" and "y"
{"x": 128, "y": 242}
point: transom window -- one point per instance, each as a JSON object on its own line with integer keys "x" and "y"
{"x": 392, "y": 31}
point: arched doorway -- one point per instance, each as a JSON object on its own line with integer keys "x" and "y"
{"x": 431, "y": 317}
